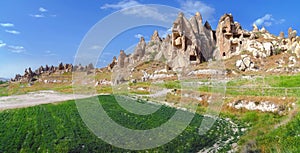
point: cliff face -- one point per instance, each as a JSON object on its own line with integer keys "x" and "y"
{"x": 191, "y": 42}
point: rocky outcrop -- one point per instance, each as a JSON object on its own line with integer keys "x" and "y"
{"x": 112, "y": 64}
{"x": 245, "y": 63}
{"x": 292, "y": 34}
{"x": 139, "y": 51}
{"x": 281, "y": 35}
{"x": 230, "y": 36}
{"x": 264, "y": 106}
{"x": 191, "y": 42}
{"x": 30, "y": 76}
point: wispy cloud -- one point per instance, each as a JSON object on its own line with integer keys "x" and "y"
{"x": 37, "y": 15}
{"x": 42, "y": 13}
{"x": 41, "y": 9}
{"x": 13, "y": 32}
{"x": 138, "y": 36}
{"x": 2, "y": 44}
{"x": 121, "y": 5}
{"x": 96, "y": 47}
{"x": 49, "y": 53}
{"x": 6, "y": 24}
{"x": 191, "y": 7}
{"x": 16, "y": 49}
{"x": 140, "y": 11}
{"x": 268, "y": 20}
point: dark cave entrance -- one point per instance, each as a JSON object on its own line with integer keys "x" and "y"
{"x": 193, "y": 58}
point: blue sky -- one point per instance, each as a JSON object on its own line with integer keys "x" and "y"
{"x": 34, "y": 33}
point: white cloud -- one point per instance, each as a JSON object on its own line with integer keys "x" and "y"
{"x": 267, "y": 20}
{"x": 37, "y": 15}
{"x": 2, "y": 44}
{"x": 42, "y": 13}
{"x": 12, "y": 32}
{"x": 267, "y": 24}
{"x": 16, "y": 49}
{"x": 191, "y": 7}
{"x": 49, "y": 53}
{"x": 280, "y": 21}
{"x": 6, "y": 24}
{"x": 140, "y": 11}
{"x": 41, "y": 9}
{"x": 96, "y": 47}
{"x": 121, "y": 5}
{"x": 138, "y": 36}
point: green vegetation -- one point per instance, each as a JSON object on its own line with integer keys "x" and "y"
{"x": 59, "y": 128}
{"x": 284, "y": 81}
{"x": 23, "y": 88}
{"x": 269, "y": 86}
{"x": 283, "y": 139}
{"x": 172, "y": 84}
{"x": 2, "y": 82}
{"x": 3, "y": 90}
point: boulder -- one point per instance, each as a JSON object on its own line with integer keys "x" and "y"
{"x": 245, "y": 63}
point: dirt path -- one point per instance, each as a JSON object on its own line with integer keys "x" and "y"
{"x": 35, "y": 98}
{"x": 291, "y": 115}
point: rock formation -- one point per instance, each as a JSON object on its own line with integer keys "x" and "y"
{"x": 191, "y": 42}
{"x": 113, "y": 63}
{"x": 230, "y": 36}
{"x": 122, "y": 59}
{"x": 245, "y": 63}
{"x": 139, "y": 51}
{"x": 281, "y": 35}
{"x": 31, "y": 76}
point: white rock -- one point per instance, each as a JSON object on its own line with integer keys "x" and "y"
{"x": 238, "y": 63}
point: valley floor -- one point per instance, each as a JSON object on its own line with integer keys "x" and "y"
{"x": 35, "y": 98}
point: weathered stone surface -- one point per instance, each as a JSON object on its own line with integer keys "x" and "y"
{"x": 226, "y": 32}
{"x": 263, "y": 30}
{"x": 122, "y": 59}
{"x": 281, "y": 35}
{"x": 113, "y": 63}
{"x": 190, "y": 42}
{"x": 292, "y": 33}
{"x": 255, "y": 28}
{"x": 245, "y": 63}
{"x": 155, "y": 37}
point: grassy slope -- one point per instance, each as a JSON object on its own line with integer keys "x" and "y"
{"x": 59, "y": 128}
{"x": 283, "y": 139}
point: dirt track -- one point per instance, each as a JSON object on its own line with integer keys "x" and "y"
{"x": 35, "y": 98}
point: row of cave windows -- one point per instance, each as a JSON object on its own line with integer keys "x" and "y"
{"x": 194, "y": 58}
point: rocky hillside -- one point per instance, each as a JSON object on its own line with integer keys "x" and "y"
{"x": 193, "y": 42}
{"x": 51, "y": 74}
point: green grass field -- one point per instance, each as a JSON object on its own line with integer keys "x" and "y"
{"x": 59, "y": 128}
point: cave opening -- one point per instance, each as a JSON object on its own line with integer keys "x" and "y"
{"x": 193, "y": 58}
